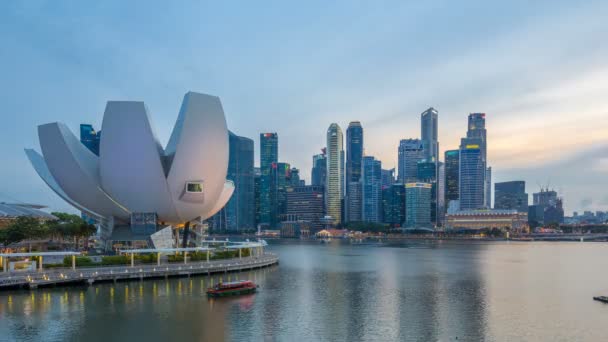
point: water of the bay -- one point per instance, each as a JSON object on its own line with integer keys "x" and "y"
{"x": 423, "y": 291}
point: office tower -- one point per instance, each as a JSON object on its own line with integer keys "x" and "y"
{"x": 545, "y": 197}
{"x": 319, "y": 169}
{"x": 418, "y": 205}
{"x": 257, "y": 186}
{"x": 488, "y": 188}
{"x": 441, "y": 205}
{"x": 282, "y": 178}
{"x": 269, "y": 157}
{"x": 295, "y": 177}
{"x": 388, "y": 177}
{"x": 428, "y": 127}
{"x": 477, "y": 129}
{"x": 552, "y": 206}
{"x": 452, "y": 170}
{"x": 511, "y": 195}
{"x": 393, "y": 204}
{"x": 554, "y": 214}
{"x": 239, "y": 212}
{"x": 354, "y": 155}
{"x": 427, "y": 173}
{"x": 90, "y": 138}
{"x": 334, "y": 186}
{"x": 372, "y": 190}
{"x": 307, "y": 203}
{"x": 411, "y": 151}
{"x": 536, "y": 215}
{"x": 471, "y": 182}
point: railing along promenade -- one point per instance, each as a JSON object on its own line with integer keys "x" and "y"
{"x": 90, "y": 275}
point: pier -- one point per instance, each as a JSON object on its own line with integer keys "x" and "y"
{"x": 91, "y": 275}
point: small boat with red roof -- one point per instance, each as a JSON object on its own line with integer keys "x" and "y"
{"x": 232, "y": 288}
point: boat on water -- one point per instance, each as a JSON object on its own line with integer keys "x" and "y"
{"x": 602, "y": 299}
{"x": 232, "y": 288}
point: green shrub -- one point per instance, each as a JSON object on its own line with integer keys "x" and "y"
{"x": 80, "y": 261}
{"x": 146, "y": 258}
{"x": 175, "y": 258}
{"x": 115, "y": 260}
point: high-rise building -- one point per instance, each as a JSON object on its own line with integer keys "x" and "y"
{"x": 388, "y": 177}
{"x": 90, "y": 138}
{"x": 545, "y": 197}
{"x": 354, "y": 202}
{"x": 441, "y": 205}
{"x": 428, "y": 127}
{"x": 319, "y": 169}
{"x": 477, "y": 129}
{"x": 239, "y": 212}
{"x": 393, "y": 204}
{"x": 307, "y": 203}
{"x": 372, "y": 190}
{"x": 281, "y": 174}
{"x": 295, "y": 176}
{"x": 452, "y": 170}
{"x": 354, "y": 156}
{"x": 427, "y": 173}
{"x": 411, "y": 151}
{"x": 471, "y": 182}
{"x": 418, "y": 205}
{"x": 334, "y": 188}
{"x": 269, "y": 157}
{"x": 511, "y": 195}
{"x": 257, "y": 187}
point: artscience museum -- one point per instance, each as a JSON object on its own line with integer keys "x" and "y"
{"x": 135, "y": 187}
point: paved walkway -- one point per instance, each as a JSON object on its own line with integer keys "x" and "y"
{"x": 33, "y": 279}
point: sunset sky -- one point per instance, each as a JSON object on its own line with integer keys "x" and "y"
{"x": 538, "y": 69}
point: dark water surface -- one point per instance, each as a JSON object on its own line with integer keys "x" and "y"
{"x": 433, "y": 291}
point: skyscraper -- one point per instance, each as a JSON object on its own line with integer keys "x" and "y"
{"x": 281, "y": 174}
{"x": 428, "y": 127}
{"x": 354, "y": 155}
{"x": 471, "y": 180}
{"x": 452, "y": 170}
{"x": 427, "y": 172}
{"x": 354, "y": 203}
{"x": 411, "y": 151}
{"x": 511, "y": 195}
{"x": 477, "y": 129}
{"x": 372, "y": 190}
{"x": 307, "y": 203}
{"x": 393, "y": 204}
{"x": 269, "y": 157}
{"x": 319, "y": 169}
{"x": 418, "y": 205}
{"x": 334, "y": 188}
{"x": 295, "y": 177}
{"x": 90, "y": 138}
{"x": 257, "y": 187}
{"x": 388, "y": 177}
{"x": 239, "y": 212}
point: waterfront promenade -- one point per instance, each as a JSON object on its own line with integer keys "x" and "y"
{"x": 90, "y": 275}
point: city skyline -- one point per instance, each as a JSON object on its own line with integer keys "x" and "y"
{"x": 385, "y": 88}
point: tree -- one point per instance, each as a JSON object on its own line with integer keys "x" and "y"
{"x": 23, "y": 228}
{"x": 69, "y": 226}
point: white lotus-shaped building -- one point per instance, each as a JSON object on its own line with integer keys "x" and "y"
{"x": 185, "y": 181}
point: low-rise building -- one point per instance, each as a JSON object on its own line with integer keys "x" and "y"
{"x": 488, "y": 219}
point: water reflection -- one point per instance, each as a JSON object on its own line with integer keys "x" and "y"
{"x": 422, "y": 291}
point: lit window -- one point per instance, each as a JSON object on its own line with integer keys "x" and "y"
{"x": 194, "y": 187}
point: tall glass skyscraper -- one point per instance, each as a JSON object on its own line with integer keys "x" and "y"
{"x": 428, "y": 128}
{"x": 239, "y": 212}
{"x": 334, "y": 189}
{"x": 418, "y": 205}
{"x": 354, "y": 156}
{"x": 319, "y": 169}
{"x": 427, "y": 172}
{"x": 452, "y": 171}
{"x": 411, "y": 151}
{"x": 90, "y": 138}
{"x": 393, "y": 204}
{"x": 477, "y": 129}
{"x": 269, "y": 157}
{"x": 281, "y": 174}
{"x": 372, "y": 190}
{"x": 472, "y": 174}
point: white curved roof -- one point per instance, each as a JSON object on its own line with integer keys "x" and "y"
{"x": 133, "y": 173}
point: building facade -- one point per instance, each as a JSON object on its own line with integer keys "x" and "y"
{"x": 354, "y": 157}
{"x": 418, "y": 205}
{"x": 372, "y": 190}
{"x": 511, "y": 195}
{"x": 334, "y": 189}
{"x": 411, "y": 151}
{"x": 307, "y": 203}
{"x": 511, "y": 220}
{"x": 428, "y": 134}
{"x": 319, "y": 169}
{"x": 269, "y": 157}
{"x": 90, "y": 138}
{"x": 471, "y": 181}
{"x": 393, "y": 204}
{"x": 452, "y": 172}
